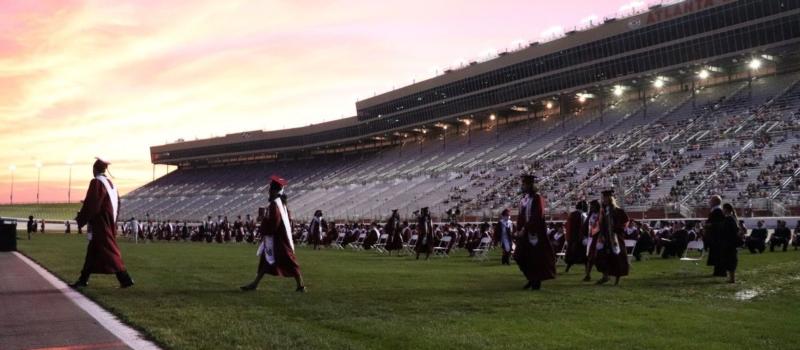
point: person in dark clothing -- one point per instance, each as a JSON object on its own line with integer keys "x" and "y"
{"x": 31, "y": 226}
{"x": 576, "y": 241}
{"x": 796, "y": 240}
{"x": 756, "y": 242}
{"x": 780, "y": 237}
{"x": 727, "y": 257}
{"x": 645, "y": 243}
{"x": 677, "y": 245}
{"x": 714, "y": 229}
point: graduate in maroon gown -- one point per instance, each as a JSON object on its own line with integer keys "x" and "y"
{"x": 424, "y": 234}
{"x": 612, "y": 257}
{"x": 276, "y": 251}
{"x": 534, "y": 253}
{"x": 99, "y": 214}
{"x": 576, "y": 241}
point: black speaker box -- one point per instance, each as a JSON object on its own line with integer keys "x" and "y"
{"x": 8, "y": 235}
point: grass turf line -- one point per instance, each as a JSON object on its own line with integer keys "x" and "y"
{"x": 60, "y": 211}
{"x": 187, "y": 297}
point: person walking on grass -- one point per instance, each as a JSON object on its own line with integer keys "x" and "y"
{"x": 534, "y": 253}
{"x": 99, "y": 215}
{"x": 276, "y": 251}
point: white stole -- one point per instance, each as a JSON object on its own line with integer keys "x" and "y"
{"x": 285, "y": 218}
{"x": 113, "y": 196}
{"x": 267, "y": 246}
{"x": 505, "y": 234}
{"x": 527, "y": 203}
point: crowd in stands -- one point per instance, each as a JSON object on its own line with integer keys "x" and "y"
{"x": 736, "y": 140}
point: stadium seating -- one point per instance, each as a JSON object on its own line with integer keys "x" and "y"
{"x": 736, "y": 139}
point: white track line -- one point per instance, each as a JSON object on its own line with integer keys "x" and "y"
{"x": 128, "y": 335}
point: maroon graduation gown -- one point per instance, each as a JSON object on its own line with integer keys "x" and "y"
{"x": 606, "y": 260}
{"x": 285, "y": 261}
{"x": 537, "y": 263}
{"x": 102, "y": 254}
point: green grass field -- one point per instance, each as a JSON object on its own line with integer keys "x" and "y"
{"x": 187, "y": 297}
{"x": 60, "y": 211}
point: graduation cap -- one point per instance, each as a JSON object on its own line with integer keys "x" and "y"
{"x": 608, "y": 192}
{"x": 100, "y": 165}
{"x": 277, "y": 182}
{"x": 318, "y": 213}
{"x": 505, "y": 212}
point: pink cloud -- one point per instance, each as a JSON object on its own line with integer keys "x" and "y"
{"x": 83, "y": 77}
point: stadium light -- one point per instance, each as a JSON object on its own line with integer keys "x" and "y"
{"x": 467, "y": 122}
{"x": 549, "y": 105}
{"x": 659, "y": 83}
{"x": 754, "y": 64}
{"x": 704, "y": 74}
{"x": 619, "y": 90}
{"x": 492, "y": 117}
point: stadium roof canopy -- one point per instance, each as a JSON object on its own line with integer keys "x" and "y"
{"x": 667, "y": 46}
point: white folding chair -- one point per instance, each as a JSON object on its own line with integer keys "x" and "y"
{"x": 411, "y": 245}
{"x": 339, "y": 240}
{"x": 481, "y": 253}
{"x": 630, "y": 246}
{"x": 562, "y": 255}
{"x": 303, "y": 238}
{"x": 359, "y": 243}
{"x": 694, "y": 246}
{"x": 441, "y": 249}
{"x": 380, "y": 247}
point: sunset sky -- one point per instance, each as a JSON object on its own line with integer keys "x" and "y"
{"x": 111, "y": 78}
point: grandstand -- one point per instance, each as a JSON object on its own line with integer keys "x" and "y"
{"x": 667, "y": 106}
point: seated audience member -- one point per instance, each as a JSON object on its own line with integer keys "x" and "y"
{"x": 756, "y": 242}
{"x": 780, "y": 237}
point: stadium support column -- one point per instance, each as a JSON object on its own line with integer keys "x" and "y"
{"x": 694, "y": 95}
{"x": 602, "y": 106}
{"x": 528, "y": 122}
{"x": 444, "y": 138}
{"x": 643, "y": 94}
{"x": 561, "y": 111}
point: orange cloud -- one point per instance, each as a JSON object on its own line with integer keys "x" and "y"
{"x": 81, "y": 78}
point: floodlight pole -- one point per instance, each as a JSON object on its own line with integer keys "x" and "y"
{"x": 38, "y": 181}
{"x": 11, "y": 198}
{"x": 69, "y": 185}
